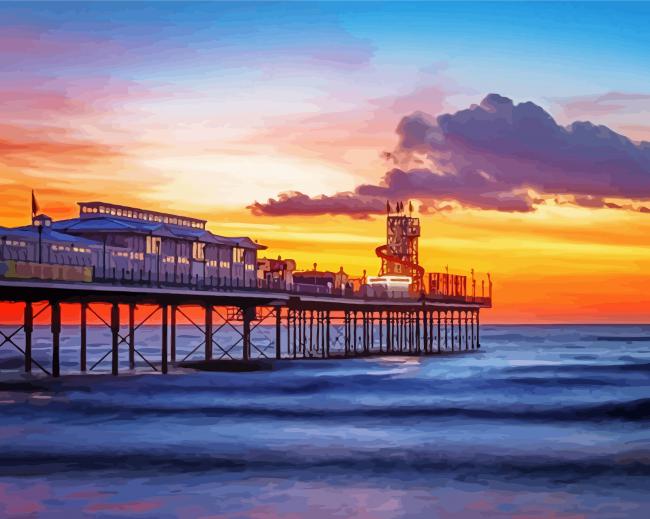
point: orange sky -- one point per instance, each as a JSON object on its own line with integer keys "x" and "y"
{"x": 557, "y": 264}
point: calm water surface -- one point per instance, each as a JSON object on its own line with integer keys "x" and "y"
{"x": 543, "y": 422}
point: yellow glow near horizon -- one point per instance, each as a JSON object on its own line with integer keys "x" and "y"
{"x": 557, "y": 264}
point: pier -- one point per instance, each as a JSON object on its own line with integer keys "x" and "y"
{"x": 304, "y": 315}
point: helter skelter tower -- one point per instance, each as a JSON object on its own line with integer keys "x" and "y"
{"x": 399, "y": 257}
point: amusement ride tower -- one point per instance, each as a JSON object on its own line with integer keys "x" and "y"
{"x": 400, "y": 254}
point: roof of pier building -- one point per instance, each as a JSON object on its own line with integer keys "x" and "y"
{"x": 99, "y": 217}
{"x": 91, "y": 209}
{"x": 48, "y": 234}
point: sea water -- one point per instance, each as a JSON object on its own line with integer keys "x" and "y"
{"x": 543, "y": 421}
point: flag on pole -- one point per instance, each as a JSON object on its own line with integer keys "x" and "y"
{"x": 35, "y": 207}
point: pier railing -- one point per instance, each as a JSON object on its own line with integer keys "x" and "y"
{"x": 224, "y": 283}
{"x": 11, "y": 270}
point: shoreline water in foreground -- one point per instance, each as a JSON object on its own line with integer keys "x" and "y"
{"x": 543, "y": 421}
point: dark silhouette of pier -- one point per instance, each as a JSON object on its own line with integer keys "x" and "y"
{"x": 127, "y": 258}
{"x": 307, "y": 325}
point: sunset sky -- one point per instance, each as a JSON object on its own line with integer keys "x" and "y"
{"x": 207, "y": 109}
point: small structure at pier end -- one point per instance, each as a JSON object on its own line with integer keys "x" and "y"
{"x": 127, "y": 267}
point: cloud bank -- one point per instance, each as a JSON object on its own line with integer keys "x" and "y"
{"x": 495, "y": 156}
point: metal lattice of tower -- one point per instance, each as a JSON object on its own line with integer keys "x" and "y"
{"x": 400, "y": 254}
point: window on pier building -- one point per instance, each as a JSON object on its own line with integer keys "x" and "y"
{"x": 198, "y": 251}
{"x": 153, "y": 245}
{"x": 237, "y": 255}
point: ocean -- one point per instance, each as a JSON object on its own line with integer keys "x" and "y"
{"x": 543, "y": 421}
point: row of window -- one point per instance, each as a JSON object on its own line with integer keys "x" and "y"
{"x": 221, "y": 264}
{"x": 171, "y": 259}
{"x": 15, "y": 243}
{"x": 126, "y": 254}
{"x": 66, "y": 248}
{"x": 153, "y": 247}
{"x": 154, "y": 244}
{"x": 143, "y": 215}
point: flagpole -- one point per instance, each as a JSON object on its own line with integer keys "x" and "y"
{"x": 40, "y": 227}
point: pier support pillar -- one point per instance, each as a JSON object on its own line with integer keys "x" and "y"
{"x": 248, "y": 314}
{"x": 83, "y": 351}
{"x": 399, "y": 330}
{"x": 345, "y": 333}
{"x": 461, "y": 338}
{"x": 208, "y": 332}
{"x": 295, "y": 331}
{"x": 425, "y": 331}
{"x": 438, "y": 336}
{"x": 172, "y": 334}
{"x": 414, "y": 319}
{"x": 478, "y": 329}
{"x": 311, "y": 332}
{"x": 29, "y": 328}
{"x": 389, "y": 332}
{"x": 163, "y": 346}
{"x": 471, "y": 316}
{"x": 326, "y": 352}
{"x": 302, "y": 334}
{"x": 56, "y": 337}
{"x": 364, "y": 330}
{"x": 451, "y": 323}
{"x": 131, "y": 336}
{"x": 115, "y": 330}
{"x": 446, "y": 331}
{"x": 289, "y": 332}
{"x": 354, "y": 331}
{"x": 278, "y": 332}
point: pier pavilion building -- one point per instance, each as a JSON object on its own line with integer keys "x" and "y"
{"x": 120, "y": 242}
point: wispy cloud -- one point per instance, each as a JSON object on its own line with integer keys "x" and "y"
{"x": 604, "y": 104}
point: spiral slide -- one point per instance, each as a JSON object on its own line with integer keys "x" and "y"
{"x": 382, "y": 252}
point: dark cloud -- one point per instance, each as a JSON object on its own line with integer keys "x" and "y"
{"x": 470, "y": 189}
{"x": 297, "y": 203}
{"x": 495, "y": 155}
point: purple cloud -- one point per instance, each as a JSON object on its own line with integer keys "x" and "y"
{"x": 297, "y": 203}
{"x": 493, "y": 156}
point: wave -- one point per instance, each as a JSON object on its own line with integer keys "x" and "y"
{"x": 624, "y": 338}
{"x": 386, "y": 463}
{"x": 635, "y": 411}
{"x": 638, "y": 367}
